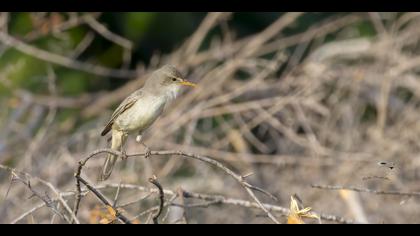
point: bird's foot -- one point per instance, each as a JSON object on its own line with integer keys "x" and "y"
{"x": 124, "y": 155}
{"x": 147, "y": 152}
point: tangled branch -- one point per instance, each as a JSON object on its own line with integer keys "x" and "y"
{"x": 47, "y": 56}
{"x": 240, "y": 179}
{"x": 25, "y": 178}
{"x": 220, "y": 199}
{"x": 365, "y": 190}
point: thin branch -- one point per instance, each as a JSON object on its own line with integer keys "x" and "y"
{"x": 25, "y": 214}
{"x": 78, "y": 173}
{"x": 197, "y": 205}
{"x": 64, "y": 61}
{"x": 37, "y": 207}
{"x": 247, "y": 186}
{"x": 99, "y": 195}
{"x": 106, "y": 33}
{"x": 73, "y": 22}
{"x": 214, "y": 199}
{"x": 183, "y": 217}
{"x": 365, "y": 190}
{"x": 126, "y": 44}
{"x": 46, "y": 200}
{"x": 103, "y": 199}
{"x": 155, "y": 182}
{"x": 82, "y": 45}
{"x": 135, "y": 201}
{"x": 155, "y": 208}
{"x": 207, "y": 24}
{"x": 270, "y": 32}
{"x": 117, "y": 195}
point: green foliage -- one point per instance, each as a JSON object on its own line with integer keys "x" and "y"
{"x": 136, "y": 24}
{"x": 21, "y": 70}
{"x": 366, "y": 29}
{"x": 73, "y": 83}
{"x": 21, "y": 23}
{"x": 150, "y": 32}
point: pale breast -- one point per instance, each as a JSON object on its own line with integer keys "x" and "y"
{"x": 142, "y": 114}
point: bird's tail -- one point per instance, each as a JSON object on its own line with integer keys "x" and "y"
{"x": 117, "y": 143}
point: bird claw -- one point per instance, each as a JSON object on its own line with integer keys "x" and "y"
{"x": 147, "y": 153}
{"x": 124, "y": 156}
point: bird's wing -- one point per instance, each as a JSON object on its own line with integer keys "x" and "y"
{"x": 126, "y": 104}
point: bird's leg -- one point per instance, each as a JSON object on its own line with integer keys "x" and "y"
{"x": 123, "y": 147}
{"x": 147, "y": 150}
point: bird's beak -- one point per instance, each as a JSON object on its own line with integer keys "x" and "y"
{"x": 187, "y": 83}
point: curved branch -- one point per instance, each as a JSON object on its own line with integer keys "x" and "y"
{"x": 220, "y": 199}
{"x": 62, "y": 60}
{"x": 240, "y": 179}
{"x": 155, "y": 182}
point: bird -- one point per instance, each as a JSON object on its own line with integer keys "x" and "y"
{"x": 140, "y": 110}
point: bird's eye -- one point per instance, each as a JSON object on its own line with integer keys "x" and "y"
{"x": 174, "y": 79}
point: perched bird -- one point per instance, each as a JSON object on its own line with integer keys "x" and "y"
{"x": 139, "y": 110}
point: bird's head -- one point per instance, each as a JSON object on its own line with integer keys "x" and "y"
{"x": 168, "y": 80}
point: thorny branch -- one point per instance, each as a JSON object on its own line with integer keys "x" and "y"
{"x": 48, "y": 202}
{"x": 98, "y": 194}
{"x": 103, "y": 199}
{"x": 335, "y": 97}
{"x": 220, "y": 199}
{"x": 247, "y": 186}
{"x": 365, "y": 190}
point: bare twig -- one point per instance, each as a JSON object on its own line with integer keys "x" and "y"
{"x": 155, "y": 182}
{"x": 365, "y": 190}
{"x": 208, "y": 23}
{"x": 74, "y": 21}
{"x": 106, "y": 33}
{"x": 29, "y": 212}
{"x": 117, "y": 195}
{"x": 46, "y": 200}
{"x": 214, "y": 199}
{"x": 103, "y": 199}
{"x": 247, "y": 186}
{"x": 62, "y": 60}
{"x": 270, "y": 32}
{"x": 79, "y": 180}
{"x": 83, "y": 45}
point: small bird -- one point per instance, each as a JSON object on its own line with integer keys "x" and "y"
{"x": 141, "y": 109}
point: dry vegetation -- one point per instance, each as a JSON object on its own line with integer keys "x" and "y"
{"x": 291, "y": 112}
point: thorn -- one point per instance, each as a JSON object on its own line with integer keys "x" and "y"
{"x": 247, "y": 175}
{"x": 10, "y": 186}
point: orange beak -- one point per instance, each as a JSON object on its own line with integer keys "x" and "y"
{"x": 187, "y": 83}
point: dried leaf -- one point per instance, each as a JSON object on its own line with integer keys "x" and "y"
{"x": 136, "y": 222}
{"x": 297, "y": 215}
{"x": 102, "y": 216}
{"x": 111, "y": 211}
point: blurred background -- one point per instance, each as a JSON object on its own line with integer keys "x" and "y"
{"x": 296, "y": 99}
